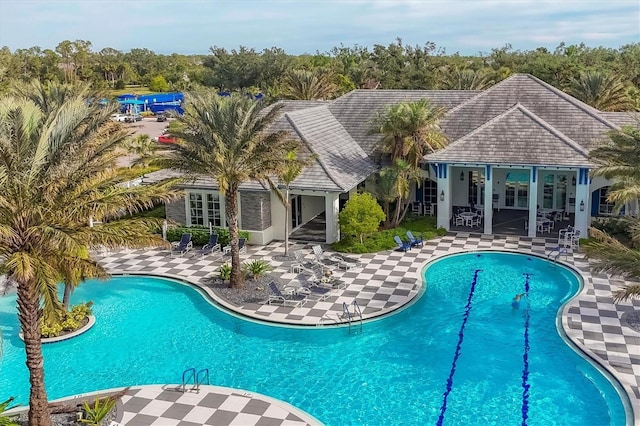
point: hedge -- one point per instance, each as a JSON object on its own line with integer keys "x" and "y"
{"x": 200, "y": 234}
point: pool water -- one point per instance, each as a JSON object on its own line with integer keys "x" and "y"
{"x": 396, "y": 371}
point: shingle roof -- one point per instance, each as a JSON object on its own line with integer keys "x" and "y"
{"x": 623, "y": 118}
{"x": 341, "y": 163}
{"x": 356, "y": 109}
{"x": 515, "y": 137}
{"x": 576, "y": 120}
{"x": 205, "y": 182}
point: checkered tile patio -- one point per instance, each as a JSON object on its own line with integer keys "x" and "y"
{"x": 389, "y": 280}
{"x": 211, "y": 405}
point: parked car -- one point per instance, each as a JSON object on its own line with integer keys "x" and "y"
{"x": 166, "y": 138}
{"x": 131, "y": 118}
{"x": 161, "y": 116}
{"x": 119, "y": 117}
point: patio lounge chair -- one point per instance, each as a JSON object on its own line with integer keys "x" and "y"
{"x": 415, "y": 241}
{"x": 347, "y": 263}
{"x": 318, "y": 278}
{"x": 241, "y": 247}
{"x": 211, "y": 247}
{"x": 322, "y": 259}
{"x": 404, "y": 246}
{"x": 183, "y": 246}
{"x": 315, "y": 292}
{"x": 295, "y": 300}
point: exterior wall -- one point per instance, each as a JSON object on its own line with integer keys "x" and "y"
{"x": 312, "y": 207}
{"x": 255, "y": 210}
{"x": 176, "y": 211}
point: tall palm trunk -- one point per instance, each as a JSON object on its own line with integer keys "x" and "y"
{"x": 68, "y": 289}
{"x": 29, "y": 316}
{"x": 231, "y": 206}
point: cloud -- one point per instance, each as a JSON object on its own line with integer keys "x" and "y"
{"x": 306, "y": 26}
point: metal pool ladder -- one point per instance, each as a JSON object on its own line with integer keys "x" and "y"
{"x": 357, "y": 326}
{"x": 188, "y": 375}
{"x": 559, "y": 250}
{"x": 198, "y": 378}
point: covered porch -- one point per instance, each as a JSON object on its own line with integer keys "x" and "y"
{"x": 508, "y": 197}
{"x": 514, "y": 222}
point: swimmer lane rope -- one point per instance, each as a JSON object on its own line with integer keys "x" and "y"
{"x": 465, "y": 317}
{"x": 525, "y": 358}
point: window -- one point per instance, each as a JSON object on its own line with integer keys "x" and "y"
{"x": 516, "y": 190}
{"x": 605, "y": 208}
{"x": 195, "y": 209}
{"x": 213, "y": 210}
{"x": 201, "y": 214}
{"x": 430, "y": 192}
{"x": 475, "y": 189}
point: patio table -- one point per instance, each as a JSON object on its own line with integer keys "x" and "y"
{"x": 468, "y": 218}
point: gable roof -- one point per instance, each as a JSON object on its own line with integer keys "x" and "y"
{"x": 517, "y": 137}
{"x": 573, "y": 118}
{"x": 356, "y": 109}
{"x": 340, "y": 164}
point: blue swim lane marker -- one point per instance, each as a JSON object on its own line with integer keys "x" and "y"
{"x": 465, "y": 317}
{"x": 525, "y": 358}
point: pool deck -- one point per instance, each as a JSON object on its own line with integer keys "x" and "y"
{"x": 389, "y": 280}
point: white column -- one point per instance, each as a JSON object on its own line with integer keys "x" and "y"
{"x": 444, "y": 196}
{"x": 533, "y": 201}
{"x": 583, "y": 204}
{"x": 331, "y": 206}
{"x": 488, "y": 200}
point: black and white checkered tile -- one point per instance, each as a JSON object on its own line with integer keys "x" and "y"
{"x": 389, "y": 280}
{"x": 211, "y": 405}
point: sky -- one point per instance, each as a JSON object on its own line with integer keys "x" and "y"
{"x": 469, "y": 27}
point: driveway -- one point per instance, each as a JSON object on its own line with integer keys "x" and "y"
{"x": 148, "y": 126}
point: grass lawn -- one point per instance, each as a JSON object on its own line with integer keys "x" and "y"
{"x": 420, "y": 226}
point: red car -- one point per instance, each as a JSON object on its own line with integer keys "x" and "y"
{"x": 166, "y": 138}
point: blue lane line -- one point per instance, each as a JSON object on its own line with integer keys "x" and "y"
{"x": 465, "y": 317}
{"x": 525, "y": 358}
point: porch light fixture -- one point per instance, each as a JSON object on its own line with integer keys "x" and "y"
{"x": 442, "y": 195}
{"x": 582, "y": 205}
{"x": 461, "y": 175}
{"x": 573, "y": 180}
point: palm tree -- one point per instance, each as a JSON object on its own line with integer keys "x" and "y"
{"x": 454, "y": 78}
{"x": 304, "y": 84}
{"x": 228, "y": 139}
{"x": 383, "y": 186}
{"x": 613, "y": 257}
{"x": 619, "y": 160}
{"x": 409, "y": 130}
{"x": 57, "y": 156}
{"x": 293, "y": 167}
{"x": 604, "y": 92}
{"x": 144, "y": 149}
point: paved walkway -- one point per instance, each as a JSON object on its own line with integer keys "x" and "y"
{"x": 389, "y": 280}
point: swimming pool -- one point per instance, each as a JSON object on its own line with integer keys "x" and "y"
{"x": 396, "y": 371}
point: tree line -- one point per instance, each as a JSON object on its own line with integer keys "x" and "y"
{"x": 578, "y": 69}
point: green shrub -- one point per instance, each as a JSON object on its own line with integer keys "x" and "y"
{"x": 95, "y": 413}
{"x": 5, "y": 406}
{"x": 256, "y": 268}
{"x": 224, "y": 272}
{"x": 68, "y": 321}
{"x": 360, "y": 216}
{"x": 424, "y": 227}
{"x": 618, "y": 228}
{"x": 200, "y": 234}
